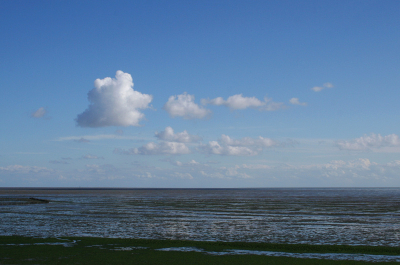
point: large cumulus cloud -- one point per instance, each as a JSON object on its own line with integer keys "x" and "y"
{"x": 113, "y": 102}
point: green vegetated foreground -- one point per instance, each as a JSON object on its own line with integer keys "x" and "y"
{"x": 87, "y": 250}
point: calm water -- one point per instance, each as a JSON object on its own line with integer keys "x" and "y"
{"x": 315, "y": 216}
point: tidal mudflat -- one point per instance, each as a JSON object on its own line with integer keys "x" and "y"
{"x": 353, "y": 217}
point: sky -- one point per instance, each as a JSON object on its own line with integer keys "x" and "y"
{"x": 200, "y": 94}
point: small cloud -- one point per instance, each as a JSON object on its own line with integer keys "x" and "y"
{"x": 272, "y": 106}
{"x": 295, "y": 101}
{"x": 39, "y": 113}
{"x": 244, "y": 147}
{"x": 214, "y": 175}
{"x": 319, "y": 88}
{"x": 25, "y": 169}
{"x": 191, "y": 163}
{"x": 247, "y": 141}
{"x": 146, "y": 175}
{"x": 182, "y": 175}
{"x": 177, "y": 163}
{"x": 214, "y": 147}
{"x": 183, "y": 106}
{"x": 363, "y": 163}
{"x": 235, "y": 102}
{"x": 92, "y": 157}
{"x": 164, "y": 148}
{"x": 238, "y": 102}
{"x": 93, "y": 168}
{"x": 182, "y": 137}
{"x": 113, "y": 102}
{"x": 233, "y": 172}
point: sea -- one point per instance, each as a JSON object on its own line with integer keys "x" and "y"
{"x": 345, "y": 216}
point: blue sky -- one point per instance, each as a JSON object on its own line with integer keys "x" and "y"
{"x": 199, "y": 93}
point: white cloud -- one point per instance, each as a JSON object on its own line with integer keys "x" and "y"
{"x": 88, "y": 138}
{"x": 233, "y": 172}
{"x": 361, "y": 163}
{"x": 173, "y": 144}
{"x": 106, "y": 171}
{"x": 25, "y": 169}
{"x": 182, "y": 175}
{"x": 213, "y": 175}
{"x": 213, "y": 147}
{"x": 295, "y": 101}
{"x": 244, "y": 147}
{"x": 236, "y": 102}
{"x": 113, "y": 102}
{"x": 248, "y": 141}
{"x": 182, "y": 137}
{"x": 395, "y": 163}
{"x": 94, "y": 169}
{"x": 39, "y": 113}
{"x": 163, "y": 148}
{"x": 92, "y": 157}
{"x": 230, "y": 173}
{"x": 272, "y": 106}
{"x": 319, "y": 88}
{"x": 372, "y": 141}
{"x": 191, "y": 163}
{"x": 359, "y": 172}
{"x": 146, "y": 175}
{"x": 183, "y": 106}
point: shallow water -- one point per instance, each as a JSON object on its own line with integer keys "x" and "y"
{"x": 313, "y": 216}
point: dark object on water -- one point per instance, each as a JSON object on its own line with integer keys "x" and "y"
{"x": 20, "y": 201}
{"x": 39, "y": 200}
